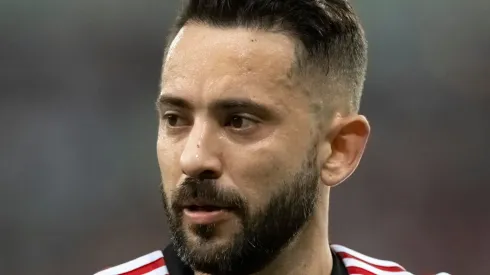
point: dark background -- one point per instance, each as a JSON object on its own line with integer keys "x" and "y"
{"x": 78, "y": 171}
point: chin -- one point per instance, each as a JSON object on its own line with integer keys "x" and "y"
{"x": 214, "y": 246}
{"x": 211, "y": 239}
{"x": 218, "y": 255}
{"x": 214, "y": 232}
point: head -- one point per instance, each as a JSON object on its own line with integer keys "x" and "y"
{"x": 258, "y": 118}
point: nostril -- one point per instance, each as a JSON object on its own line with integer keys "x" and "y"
{"x": 208, "y": 174}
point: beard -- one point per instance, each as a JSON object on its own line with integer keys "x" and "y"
{"x": 264, "y": 233}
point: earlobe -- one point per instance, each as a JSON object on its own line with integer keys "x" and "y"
{"x": 346, "y": 142}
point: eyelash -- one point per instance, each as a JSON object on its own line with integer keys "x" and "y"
{"x": 227, "y": 122}
{"x": 168, "y": 116}
{"x": 242, "y": 117}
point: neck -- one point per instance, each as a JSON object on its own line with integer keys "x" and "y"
{"x": 310, "y": 252}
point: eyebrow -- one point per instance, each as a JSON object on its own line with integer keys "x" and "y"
{"x": 172, "y": 101}
{"x": 241, "y": 104}
{"x": 220, "y": 105}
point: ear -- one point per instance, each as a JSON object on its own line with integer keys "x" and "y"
{"x": 342, "y": 148}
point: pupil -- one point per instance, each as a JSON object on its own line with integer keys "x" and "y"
{"x": 172, "y": 120}
{"x": 236, "y": 122}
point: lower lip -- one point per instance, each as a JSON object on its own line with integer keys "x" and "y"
{"x": 206, "y": 217}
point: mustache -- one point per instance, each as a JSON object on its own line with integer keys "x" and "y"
{"x": 207, "y": 190}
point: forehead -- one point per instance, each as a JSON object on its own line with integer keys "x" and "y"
{"x": 205, "y": 58}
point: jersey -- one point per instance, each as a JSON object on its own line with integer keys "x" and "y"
{"x": 353, "y": 263}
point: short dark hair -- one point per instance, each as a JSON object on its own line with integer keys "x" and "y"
{"x": 331, "y": 39}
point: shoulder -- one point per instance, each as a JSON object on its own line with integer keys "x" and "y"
{"x": 149, "y": 264}
{"x": 358, "y": 263}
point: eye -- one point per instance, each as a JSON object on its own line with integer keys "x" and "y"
{"x": 239, "y": 122}
{"x": 174, "y": 120}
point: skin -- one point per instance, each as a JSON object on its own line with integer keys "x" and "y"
{"x": 249, "y": 149}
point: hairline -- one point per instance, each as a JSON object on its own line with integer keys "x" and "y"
{"x": 309, "y": 76}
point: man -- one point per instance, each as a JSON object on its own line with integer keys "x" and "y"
{"x": 258, "y": 121}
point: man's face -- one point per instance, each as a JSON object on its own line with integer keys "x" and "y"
{"x": 238, "y": 161}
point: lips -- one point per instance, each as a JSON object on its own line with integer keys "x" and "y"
{"x": 205, "y": 212}
{"x": 204, "y": 205}
{"x": 206, "y": 208}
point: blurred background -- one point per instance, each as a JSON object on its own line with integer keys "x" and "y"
{"x": 78, "y": 171}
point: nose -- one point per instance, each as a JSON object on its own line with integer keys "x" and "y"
{"x": 201, "y": 157}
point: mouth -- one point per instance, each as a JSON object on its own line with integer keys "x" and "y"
{"x": 205, "y": 212}
{"x": 204, "y": 208}
{"x": 204, "y": 205}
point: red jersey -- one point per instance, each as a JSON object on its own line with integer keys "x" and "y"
{"x": 353, "y": 262}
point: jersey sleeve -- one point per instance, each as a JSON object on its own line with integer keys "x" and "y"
{"x": 361, "y": 264}
{"x": 150, "y": 264}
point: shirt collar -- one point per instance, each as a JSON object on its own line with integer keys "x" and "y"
{"x": 175, "y": 265}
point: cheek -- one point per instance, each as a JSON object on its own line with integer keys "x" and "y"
{"x": 259, "y": 174}
{"x": 168, "y": 160}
